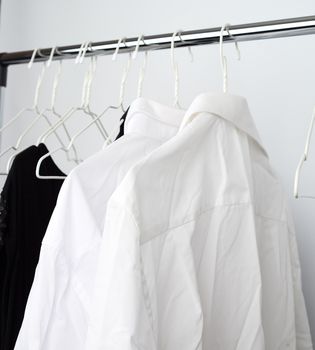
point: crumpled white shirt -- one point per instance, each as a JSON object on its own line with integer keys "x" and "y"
{"x": 57, "y": 311}
{"x": 199, "y": 250}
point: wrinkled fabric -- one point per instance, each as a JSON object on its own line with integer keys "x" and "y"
{"x": 58, "y": 307}
{"x": 199, "y": 250}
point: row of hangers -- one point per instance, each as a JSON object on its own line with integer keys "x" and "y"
{"x": 85, "y": 99}
{"x": 85, "y": 108}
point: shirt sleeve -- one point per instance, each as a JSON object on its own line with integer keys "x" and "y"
{"x": 120, "y": 317}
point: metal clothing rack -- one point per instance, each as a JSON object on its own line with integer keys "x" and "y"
{"x": 242, "y": 32}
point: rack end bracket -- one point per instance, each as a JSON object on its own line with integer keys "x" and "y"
{"x": 3, "y": 73}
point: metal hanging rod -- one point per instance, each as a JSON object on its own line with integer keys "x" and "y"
{"x": 242, "y": 32}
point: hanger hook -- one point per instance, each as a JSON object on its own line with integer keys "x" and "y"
{"x": 143, "y": 67}
{"x": 91, "y": 74}
{"x": 86, "y": 47}
{"x": 124, "y": 78}
{"x": 38, "y": 85}
{"x": 179, "y": 33}
{"x": 55, "y": 85}
{"x": 175, "y": 65}
{"x": 223, "y": 58}
{"x": 51, "y": 56}
{"x": 57, "y": 76}
{"x": 30, "y": 64}
{"x": 78, "y": 58}
{"x": 123, "y": 39}
{"x": 135, "y": 53}
{"x": 40, "y": 77}
{"x": 142, "y": 74}
{"x": 175, "y": 70}
{"x": 125, "y": 72}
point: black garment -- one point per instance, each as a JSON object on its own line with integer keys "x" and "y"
{"x": 25, "y": 209}
{"x": 122, "y": 125}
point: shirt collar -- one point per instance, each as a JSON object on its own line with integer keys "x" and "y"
{"x": 232, "y": 108}
{"x": 152, "y": 119}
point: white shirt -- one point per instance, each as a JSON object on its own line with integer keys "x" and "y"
{"x": 199, "y": 251}
{"x": 56, "y": 315}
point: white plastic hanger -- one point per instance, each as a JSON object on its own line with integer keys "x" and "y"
{"x": 46, "y": 133}
{"x": 123, "y": 79}
{"x": 223, "y": 61}
{"x": 111, "y": 135}
{"x": 223, "y": 58}
{"x": 175, "y": 67}
{"x": 34, "y": 109}
{"x": 122, "y": 89}
{"x": 52, "y": 108}
{"x": 303, "y": 159}
{"x": 41, "y": 115}
{"x": 121, "y": 96}
{"x": 75, "y": 137}
{"x": 84, "y": 107}
{"x": 49, "y": 154}
{"x": 122, "y": 86}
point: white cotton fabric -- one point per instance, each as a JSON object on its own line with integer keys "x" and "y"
{"x": 56, "y": 316}
{"x": 199, "y": 250}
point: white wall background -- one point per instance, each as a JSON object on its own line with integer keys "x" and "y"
{"x": 276, "y": 76}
